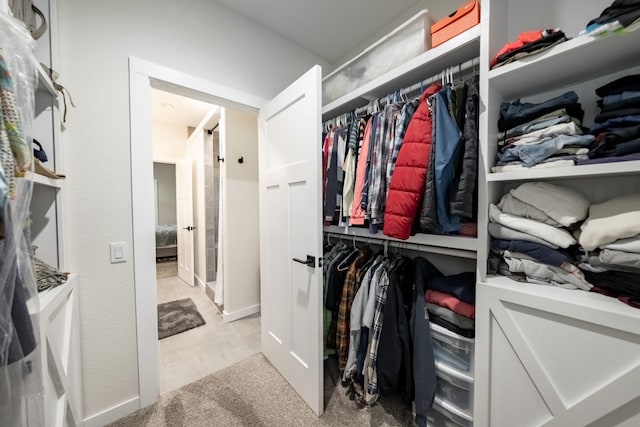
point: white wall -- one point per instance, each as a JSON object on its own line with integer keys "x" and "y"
{"x": 168, "y": 141}
{"x": 96, "y": 38}
{"x": 241, "y": 245}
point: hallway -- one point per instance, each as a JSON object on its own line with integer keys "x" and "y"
{"x": 193, "y": 354}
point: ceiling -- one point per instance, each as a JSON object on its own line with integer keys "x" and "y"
{"x": 185, "y": 111}
{"x": 330, "y": 29}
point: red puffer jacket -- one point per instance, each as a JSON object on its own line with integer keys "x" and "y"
{"x": 408, "y": 180}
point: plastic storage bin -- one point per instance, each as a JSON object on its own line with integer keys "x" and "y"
{"x": 452, "y": 349}
{"x": 457, "y": 22}
{"x": 402, "y": 44}
{"x": 455, "y": 391}
{"x": 441, "y": 417}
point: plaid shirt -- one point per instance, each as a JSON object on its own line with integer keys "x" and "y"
{"x": 349, "y": 291}
{"x": 371, "y": 375}
{"x": 401, "y": 128}
{"x": 384, "y": 140}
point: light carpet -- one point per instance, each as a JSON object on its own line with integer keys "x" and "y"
{"x": 253, "y": 393}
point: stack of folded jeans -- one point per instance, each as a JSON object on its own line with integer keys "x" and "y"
{"x": 610, "y": 237}
{"x": 541, "y": 135}
{"x": 530, "y": 229}
{"x": 617, "y": 127}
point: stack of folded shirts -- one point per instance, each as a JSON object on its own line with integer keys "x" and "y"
{"x": 611, "y": 238}
{"x": 617, "y": 128}
{"x": 451, "y": 303}
{"x": 620, "y": 14}
{"x": 530, "y": 226}
{"x": 541, "y": 135}
{"x": 528, "y": 43}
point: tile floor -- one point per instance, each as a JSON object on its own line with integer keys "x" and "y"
{"x": 193, "y": 354}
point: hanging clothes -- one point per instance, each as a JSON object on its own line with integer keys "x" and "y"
{"x": 357, "y": 212}
{"x": 464, "y": 200}
{"x": 448, "y": 137}
{"x": 408, "y": 180}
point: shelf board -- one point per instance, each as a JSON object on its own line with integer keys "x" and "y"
{"x": 459, "y": 49}
{"x": 577, "y": 60}
{"x": 588, "y": 300}
{"x": 584, "y": 171}
{"x": 44, "y": 81}
{"x": 44, "y": 181}
{"x": 465, "y": 247}
{"x": 52, "y": 297}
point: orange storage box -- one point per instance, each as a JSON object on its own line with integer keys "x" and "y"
{"x": 457, "y": 22}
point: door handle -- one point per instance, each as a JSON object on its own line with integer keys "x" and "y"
{"x": 189, "y": 228}
{"x": 310, "y": 262}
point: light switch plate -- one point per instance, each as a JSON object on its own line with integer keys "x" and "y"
{"x": 118, "y": 252}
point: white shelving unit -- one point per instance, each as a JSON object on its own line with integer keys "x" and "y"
{"x": 57, "y": 308}
{"x": 459, "y": 253}
{"x": 538, "y": 347}
{"x": 58, "y": 314}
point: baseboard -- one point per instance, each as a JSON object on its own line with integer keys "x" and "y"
{"x": 113, "y": 414}
{"x": 199, "y": 282}
{"x": 239, "y": 314}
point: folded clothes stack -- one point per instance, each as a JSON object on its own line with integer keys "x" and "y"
{"x": 541, "y": 135}
{"x": 617, "y": 127}
{"x": 611, "y": 238}
{"x": 528, "y": 43}
{"x": 621, "y": 14}
{"x": 533, "y": 228}
{"x": 530, "y": 228}
{"x": 451, "y": 303}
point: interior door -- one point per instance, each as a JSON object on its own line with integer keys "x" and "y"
{"x": 290, "y": 230}
{"x": 184, "y": 218}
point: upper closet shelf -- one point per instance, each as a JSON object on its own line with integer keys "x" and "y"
{"x": 585, "y": 171}
{"x": 577, "y": 60}
{"x": 44, "y": 81}
{"x": 43, "y": 180}
{"x": 464, "y": 247}
{"x": 459, "y": 49}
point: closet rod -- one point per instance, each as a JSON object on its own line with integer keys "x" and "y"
{"x": 459, "y": 69}
{"x": 424, "y": 83}
{"x": 460, "y": 253}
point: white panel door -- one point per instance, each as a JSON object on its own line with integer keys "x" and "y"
{"x": 184, "y": 214}
{"x": 291, "y": 228}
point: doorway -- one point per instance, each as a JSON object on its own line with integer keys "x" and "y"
{"x": 143, "y": 77}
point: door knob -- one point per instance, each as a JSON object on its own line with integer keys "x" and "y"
{"x": 189, "y": 228}
{"x": 310, "y": 262}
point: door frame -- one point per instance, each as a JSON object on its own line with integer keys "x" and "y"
{"x": 142, "y": 76}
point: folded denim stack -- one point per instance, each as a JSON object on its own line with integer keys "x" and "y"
{"x": 451, "y": 303}
{"x": 611, "y": 238}
{"x": 617, "y": 127}
{"x": 541, "y": 135}
{"x": 530, "y": 227}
